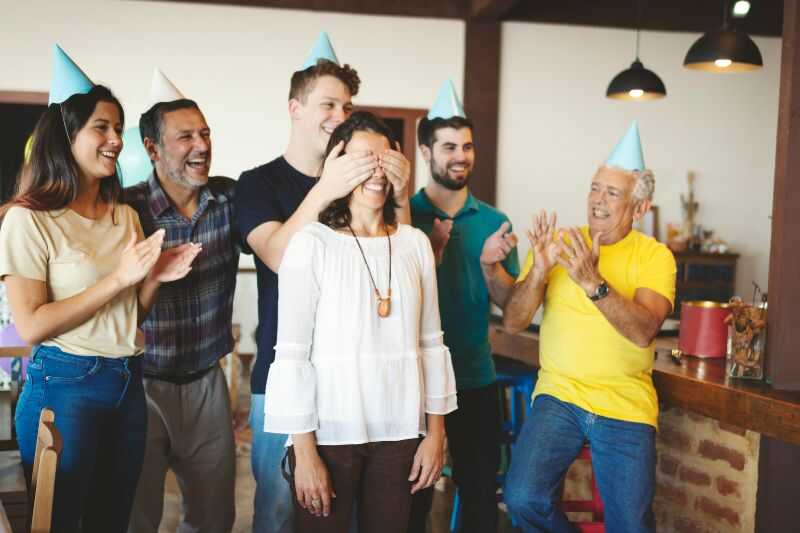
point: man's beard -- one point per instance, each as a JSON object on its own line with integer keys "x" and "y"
{"x": 449, "y": 183}
{"x": 176, "y": 174}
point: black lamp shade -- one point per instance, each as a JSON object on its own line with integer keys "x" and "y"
{"x": 636, "y": 83}
{"x": 711, "y": 51}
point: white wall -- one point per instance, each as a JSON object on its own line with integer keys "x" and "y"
{"x": 234, "y": 61}
{"x": 556, "y": 126}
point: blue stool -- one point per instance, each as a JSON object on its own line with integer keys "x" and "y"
{"x": 519, "y": 379}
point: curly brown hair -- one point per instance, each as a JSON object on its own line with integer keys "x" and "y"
{"x": 303, "y": 81}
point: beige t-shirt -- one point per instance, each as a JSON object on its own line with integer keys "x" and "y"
{"x": 71, "y": 253}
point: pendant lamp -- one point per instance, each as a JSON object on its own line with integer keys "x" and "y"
{"x": 636, "y": 82}
{"x": 724, "y": 50}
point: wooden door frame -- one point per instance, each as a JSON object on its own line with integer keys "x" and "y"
{"x": 23, "y": 97}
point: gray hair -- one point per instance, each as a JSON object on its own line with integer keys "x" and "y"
{"x": 645, "y": 185}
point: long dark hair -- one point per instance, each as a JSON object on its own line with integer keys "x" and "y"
{"x": 49, "y": 180}
{"x": 337, "y": 215}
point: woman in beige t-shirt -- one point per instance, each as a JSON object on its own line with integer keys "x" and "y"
{"x": 80, "y": 277}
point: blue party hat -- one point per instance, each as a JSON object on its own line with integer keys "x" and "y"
{"x": 628, "y": 152}
{"x": 447, "y": 104}
{"x": 134, "y": 163}
{"x": 322, "y": 50}
{"x": 68, "y": 78}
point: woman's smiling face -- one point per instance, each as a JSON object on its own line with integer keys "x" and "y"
{"x": 98, "y": 143}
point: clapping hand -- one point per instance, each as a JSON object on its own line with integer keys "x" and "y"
{"x": 579, "y": 260}
{"x": 499, "y": 244}
{"x": 138, "y": 258}
{"x": 175, "y": 263}
{"x": 440, "y": 235}
{"x": 544, "y": 245}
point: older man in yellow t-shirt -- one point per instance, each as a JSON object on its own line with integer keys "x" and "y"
{"x": 606, "y": 290}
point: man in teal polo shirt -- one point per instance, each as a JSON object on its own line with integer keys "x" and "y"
{"x": 477, "y": 264}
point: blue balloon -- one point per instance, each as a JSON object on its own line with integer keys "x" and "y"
{"x": 134, "y": 163}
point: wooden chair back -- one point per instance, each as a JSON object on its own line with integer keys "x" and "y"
{"x": 43, "y": 479}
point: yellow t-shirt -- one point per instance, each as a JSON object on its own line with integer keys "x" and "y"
{"x": 71, "y": 253}
{"x": 583, "y": 359}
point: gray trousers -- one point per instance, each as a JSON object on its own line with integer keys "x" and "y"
{"x": 189, "y": 430}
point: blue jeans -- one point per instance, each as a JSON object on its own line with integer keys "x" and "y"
{"x": 273, "y": 506}
{"x": 623, "y": 459}
{"x": 101, "y": 415}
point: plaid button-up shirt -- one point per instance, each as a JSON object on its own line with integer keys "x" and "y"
{"x": 189, "y": 327}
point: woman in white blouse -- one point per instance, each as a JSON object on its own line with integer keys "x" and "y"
{"x": 360, "y": 369}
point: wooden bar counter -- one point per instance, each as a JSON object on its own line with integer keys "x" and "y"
{"x": 697, "y": 385}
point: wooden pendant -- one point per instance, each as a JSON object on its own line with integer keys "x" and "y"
{"x": 384, "y": 306}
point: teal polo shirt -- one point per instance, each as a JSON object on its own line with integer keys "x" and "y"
{"x": 463, "y": 296}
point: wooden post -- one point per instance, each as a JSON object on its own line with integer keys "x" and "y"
{"x": 778, "y": 483}
{"x": 783, "y": 341}
{"x": 481, "y": 102}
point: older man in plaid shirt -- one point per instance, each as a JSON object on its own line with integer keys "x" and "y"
{"x": 189, "y": 327}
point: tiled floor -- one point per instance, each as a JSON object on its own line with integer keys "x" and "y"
{"x": 245, "y": 486}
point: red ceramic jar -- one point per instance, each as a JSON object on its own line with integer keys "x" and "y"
{"x": 703, "y": 332}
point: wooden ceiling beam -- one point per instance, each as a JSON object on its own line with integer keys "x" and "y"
{"x": 765, "y": 17}
{"x": 491, "y": 9}
{"x": 453, "y": 9}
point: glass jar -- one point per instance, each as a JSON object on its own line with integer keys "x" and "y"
{"x": 747, "y": 342}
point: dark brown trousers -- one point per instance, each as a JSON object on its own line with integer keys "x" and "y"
{"x": 375, "y": 474}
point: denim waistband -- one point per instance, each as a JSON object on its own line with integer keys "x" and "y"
{"x": 57, "y": 354}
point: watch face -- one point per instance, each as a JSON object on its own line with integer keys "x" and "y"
{"x": 600, "y": 292}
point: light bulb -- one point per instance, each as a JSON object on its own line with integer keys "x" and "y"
{"x": 741, "y": 8}
{"x": 636, "y": 93}
{"x": 722, "y": 63}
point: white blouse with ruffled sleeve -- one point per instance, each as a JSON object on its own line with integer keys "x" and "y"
{"x": 342, "y": 371}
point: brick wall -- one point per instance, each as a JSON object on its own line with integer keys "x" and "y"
{"x": 707, "y": 475}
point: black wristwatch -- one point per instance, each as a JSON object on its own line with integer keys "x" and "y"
{"x": 600, "y": 292}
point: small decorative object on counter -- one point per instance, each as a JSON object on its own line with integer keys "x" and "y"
{"x": 747, "y": 339}
{"x": 676, "y": 240}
